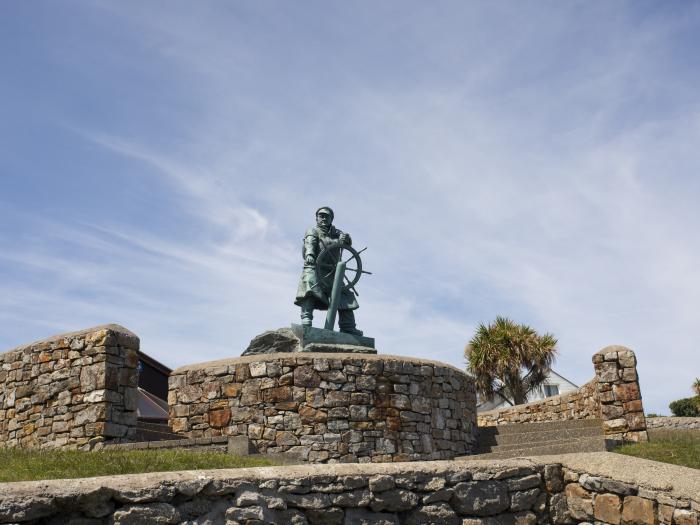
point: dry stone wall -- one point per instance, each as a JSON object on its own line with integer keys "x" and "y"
{"x": 619, "y": 395}
{"x": 580, "y": 404}
{"x": 689, "y": 423}
{"x": 70, "y": 391}
{"x": 613, "y": 396}
{"x": 511, "y": 492}
{"x": 329, "y": 407}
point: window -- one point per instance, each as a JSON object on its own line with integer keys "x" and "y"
{"x": 551, "y": 390}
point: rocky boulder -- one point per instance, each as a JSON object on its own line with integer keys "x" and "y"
{"x": 273, "y": 342}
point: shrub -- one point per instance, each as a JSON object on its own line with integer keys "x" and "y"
{"x": 686, "y": 407}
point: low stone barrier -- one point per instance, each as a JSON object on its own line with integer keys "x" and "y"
{"x": 563, "y": 490}
{"x": 613, "y": 396}
{"x": 673, "y": 422}
{"x": 329, "y": 407}
{"x": 580, "y": 404}
{"x": 70, "y": 391}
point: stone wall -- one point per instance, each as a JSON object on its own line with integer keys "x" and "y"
{"x": 329, "y": 407}
{"x": 70, "y": 391}
{"x": 673, "y": 422}
{"x": 561, "y": 491}
{"x": 613, "y": 396}
{"x": 580, "y": 404}
{"x": 619, "y": 395}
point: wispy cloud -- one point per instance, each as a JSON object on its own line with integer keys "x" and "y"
{"x": 545, "y": 171}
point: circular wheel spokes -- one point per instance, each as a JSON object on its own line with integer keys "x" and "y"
{"x": 328, "y": 259}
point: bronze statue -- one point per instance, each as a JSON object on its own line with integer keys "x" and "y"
{"x": 318, "y": 276}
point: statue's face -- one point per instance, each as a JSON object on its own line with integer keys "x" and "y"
{"x": 323, "y": 218}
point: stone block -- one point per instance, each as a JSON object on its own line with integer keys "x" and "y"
{"x": 626, "y": 392}
{"x": 480, "y": 498}
{"x": 685, "y": 517}
{"x": 638, "y": 511}
{"x": 278, "y": 394}
{"x": 579, "y": 501}
{"x": 608, "y": 508}
{"x": 219, "y": 418}
{"x": 607, "y": 372}
{"x": 393, "y": 500}
{"x": 306, "y": 376}
{"x": 155, "y": 513}
{"x": 240, "y": 446}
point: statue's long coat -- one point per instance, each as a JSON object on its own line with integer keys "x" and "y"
{"x": 315, "y": 240}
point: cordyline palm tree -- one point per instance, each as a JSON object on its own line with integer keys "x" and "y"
{"x": 509, "y": 359}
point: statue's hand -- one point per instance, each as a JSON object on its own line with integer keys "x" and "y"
{"x": 344, "y": 238}
{"x": 309, "y": 259}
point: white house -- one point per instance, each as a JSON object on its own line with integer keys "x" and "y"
{"x": 554, "y": 385}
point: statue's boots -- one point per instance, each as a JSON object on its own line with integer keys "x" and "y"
{"x": 307, "y": 312}
{"x": 346, "y": 322}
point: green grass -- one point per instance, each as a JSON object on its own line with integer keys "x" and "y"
{"x": 24, "y": 465}
{"x": 680, "y": 447}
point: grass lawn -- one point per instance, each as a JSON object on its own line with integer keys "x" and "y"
{"x": 680, "y": 447}
{"x": 24, "y": 465}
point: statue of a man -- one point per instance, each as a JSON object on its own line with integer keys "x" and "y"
{"x": 310, "y": 294}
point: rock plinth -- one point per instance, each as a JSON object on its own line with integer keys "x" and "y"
{"x": 329, "y": 407}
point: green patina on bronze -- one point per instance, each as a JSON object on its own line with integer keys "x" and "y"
{"x": 331, "y": 271}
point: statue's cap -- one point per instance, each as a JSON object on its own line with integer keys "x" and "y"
{"x": 330, "y": 210}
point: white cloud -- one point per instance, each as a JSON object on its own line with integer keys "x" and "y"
{"x": 530, "y": 170}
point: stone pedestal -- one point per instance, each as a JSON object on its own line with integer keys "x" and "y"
{"x": 329, "y": 407}
{"x": 321, "y": 340}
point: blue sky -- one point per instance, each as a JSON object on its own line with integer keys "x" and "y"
{"x": 160, "y": 161}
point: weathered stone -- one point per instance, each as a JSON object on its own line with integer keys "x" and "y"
{"x": 328, "y": 516}
{"x": 601, "y": 484}
{"x": 685, "y": 517}
{"x": 273, "y": 341}
{"x": 245, "y": 514}
{"x": 219, "y": 418}
{"x": 306, "y": 376}
{"x": 559, "y": 509}
{"x": 394, "y": 500}
{"x": 626, "y": 391}
{"x": 286, "y": 438}
{"x": 580, "y": 502}
{"x": 638, "y": 511}
{"x": 381, "y": 482}
{"x": 523, "y": 500}
{"x": 355, "y": 498}
{"x": 554, "y": 478}
{"x": 607, "y": 508}
{"x": 607, "y": 372}
{"x": 480, "y": 498}
{"x": 308, "y": 501}
{"x": 274, "y": 395}
{"x": 365, "y": 517}
{"x": 148, "y": 513}
{"x": 258, "y": 369}
{"x": 437, "y": 514}
{"x": 524, "y": 483}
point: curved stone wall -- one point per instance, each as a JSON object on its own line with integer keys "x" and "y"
{"x": 329, "y": 407}
{"x": 613, "y": 395}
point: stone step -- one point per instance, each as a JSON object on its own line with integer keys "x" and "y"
{"x": 588, "y": 444}
{"x": 521, "y": 428}
{"x": 149, "y": 431}
{"x": 534, "y": 444}
{"x": 488, "y": 439}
